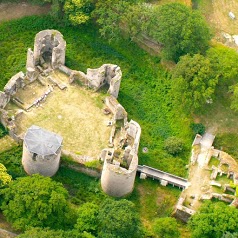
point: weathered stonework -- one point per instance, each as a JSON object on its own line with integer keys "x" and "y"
{"x": 41, "y": 151}
{"x": 116, "y": 180}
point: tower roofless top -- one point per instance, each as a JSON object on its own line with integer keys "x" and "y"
{"x": 41, "y": 141}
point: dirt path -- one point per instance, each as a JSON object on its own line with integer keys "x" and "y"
{"x": 10, "y": 11}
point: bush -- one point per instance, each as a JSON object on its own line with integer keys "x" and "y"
{"x": 174, "y": 145}
{"x": 198, "y": 128}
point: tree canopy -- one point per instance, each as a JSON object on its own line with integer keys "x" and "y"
{"x": 78, "y": 11}
{"x": 166, "y": 227}
{"x": 118, "y": 219}
{"x": 213, "y": 220}
{"x": 181, "y": 30}
{"x": 87, "y": 218}
{"x": 5, "y": 178}
{"x": 74, "y": 12}
{"x": 194, "y": 81}
{"x": 35, "y": 201}
{"x": 48, "y": 233}
{"x": 224, "y": 61}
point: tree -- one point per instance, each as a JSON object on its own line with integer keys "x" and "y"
{"x": 224, "y": 61}
{"x": 213, "y": 220}
{"x": 5, "y": 178}
{"x": 109, "y": 15}
{"x": 181, "y": 30}
{"x": 173, "y": 145}
{"x": 118, "y": 219}
{"x": 47, "y": 233}
{"x": 78, "y": 12}
{"x": 73, "y": 12}
{"x": 166, "y": 228}
{"x": 87, "y": 218}
{"x": 36, "y": 201}
{"x": 194, "y": 81}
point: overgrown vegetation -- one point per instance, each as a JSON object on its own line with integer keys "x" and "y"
{"x": 214, "y": 220}
{"x": 3, "y": 131}
{"x": 12, "y": 161}
{"x": 144, "y": 90}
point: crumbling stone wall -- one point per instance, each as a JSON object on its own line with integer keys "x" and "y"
{"x": 49, "y": 51}
{"x": 118, "y": 111}
{"x": 109, "y": 74}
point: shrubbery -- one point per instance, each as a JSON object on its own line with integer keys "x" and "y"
{"x": 174, "y": 145}
{"x": 198, "y": 128}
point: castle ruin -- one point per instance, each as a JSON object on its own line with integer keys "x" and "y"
{"x": 42, "y": 148}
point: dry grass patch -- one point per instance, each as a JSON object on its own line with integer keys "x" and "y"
{"x": 216, "y": 13}
{"x": 6, "y": 143}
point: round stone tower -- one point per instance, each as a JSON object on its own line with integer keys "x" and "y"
{"x": 41, "y": 151}
{"x": 117, "y": 180}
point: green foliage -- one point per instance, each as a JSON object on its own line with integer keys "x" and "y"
{"x": 87, "y": 218}
{"x": 5, "y": 178}
{"x": 194, "y": 81}
{"x": 109, "y": 15}
{"x": 227, "y": 142}
{"x": 12, "y": 160}
{"x": 213, "y": 220}
{"x": 81, "y": 187}
{"x": 223, "y": 60}
{"x": 3, "y": 131}
{"x": 181, "y": 31}
{"x": 166, "y": 227}
{"x": 118, "y": 219}
{"x": 198, "y": 128}
{"x": 78, "y": 12}
{"x": 230, "y": 235}
{"x": 234, "y": 97}
{"x": 36, "y": 201}
{"x": 47, "y": 233}
{"x": 174, "y": 145}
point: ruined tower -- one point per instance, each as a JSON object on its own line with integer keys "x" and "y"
{"x": 41, "y": 151}
{"x": 120, "y": 165}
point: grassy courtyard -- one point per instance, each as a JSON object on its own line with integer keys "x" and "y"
{"x": 75, "y": 113}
